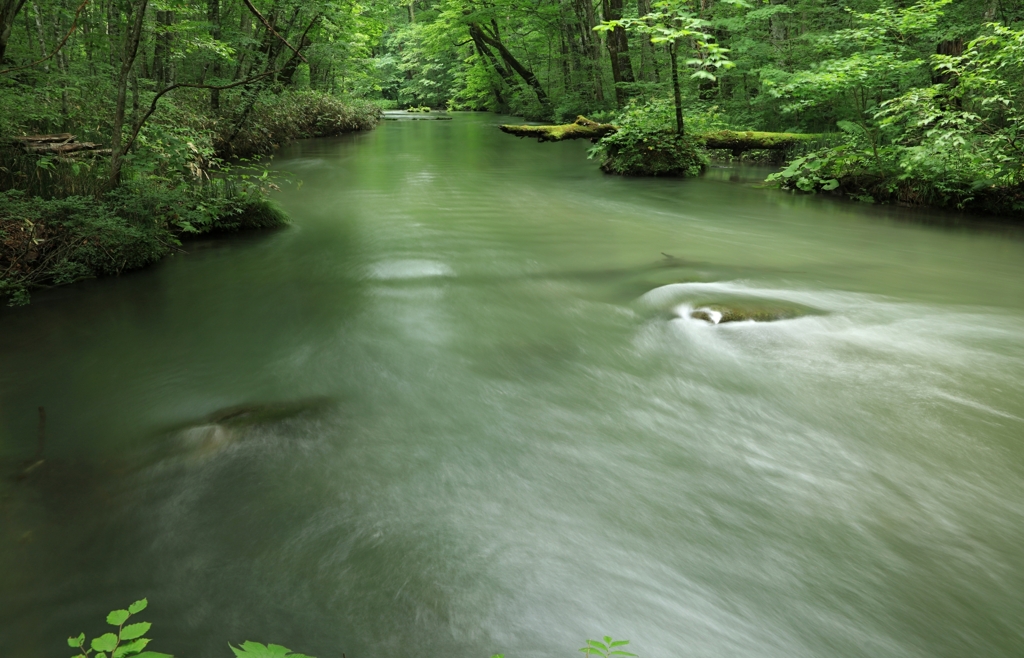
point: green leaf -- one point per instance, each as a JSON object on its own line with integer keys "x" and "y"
{"x": 75, "y": 642}
{"x": 256, "y": 650}
{"x": 129, "y": 648}
{"x": 830, "y": 185}
{"x": 595, "y": 643}
{"x": 849, "y": 127}
{"x": 138, "y": 606}
{"x": 621, "y": 653}
{"x": 152, "y": 654}
{"x": 105, "y": 642}
{"x": 118, "y": 617}
{"x": 132, "y": 631}
{"x": 619, "y": 643}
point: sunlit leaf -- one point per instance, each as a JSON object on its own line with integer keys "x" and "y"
{"x": 132, "y": 631}
{"x": 105, "y": 642}
{"x": 118, "y": 617}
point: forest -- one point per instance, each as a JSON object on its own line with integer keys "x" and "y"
{"x": 116, "y": 112}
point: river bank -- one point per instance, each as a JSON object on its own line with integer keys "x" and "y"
{"x": 60, "y": 223}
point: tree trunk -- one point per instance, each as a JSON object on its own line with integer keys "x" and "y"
{"x": 510, "y": 60}
{"x": 129, "y": 51}
{"x": 591, "y": 44}
{"x": 213, "y": 16}
{"x": 162, "y": 68}
{"x": 647, "y": 64}
{"x": 8, "y": 12}
{"x": 677, "y": 95}
{"x": 42, "y": 36}
{"x": 618, "y": 51}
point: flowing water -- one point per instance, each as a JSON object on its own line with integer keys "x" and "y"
{"x": 469, "y": 412}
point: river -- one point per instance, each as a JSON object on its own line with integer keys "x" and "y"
{"x": 495, "y": 427}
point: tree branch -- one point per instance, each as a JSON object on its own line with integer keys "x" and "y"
{"x": 266, "y": 23}
{"x": 191, "y": 85}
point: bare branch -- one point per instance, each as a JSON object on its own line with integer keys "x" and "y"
{"x": 190, "y": 85}
{"x": 266, "y": 23}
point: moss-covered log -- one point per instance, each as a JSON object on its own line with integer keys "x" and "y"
{"x": 582, "y": 128}
{"x": 735, "y": 141}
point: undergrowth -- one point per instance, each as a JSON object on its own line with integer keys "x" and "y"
{"x": 279, "y": 119}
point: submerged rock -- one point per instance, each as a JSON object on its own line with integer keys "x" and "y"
{"x": 225, "y": 427}
{"x": 721, "y": 313}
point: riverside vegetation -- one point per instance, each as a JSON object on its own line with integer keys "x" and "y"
{"x": 130, "y": 641}
{"x": 893, "y": 101}
{"x": 166, "y": 101}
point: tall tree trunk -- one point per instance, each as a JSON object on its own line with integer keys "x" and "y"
{"x": 288, "y": 70}
{"x": 129, "y": 51}
{"x": 41, "y": 35}
{"x": 8, "y": 12}
{"x": 62, "y": 56}
{"x": 494, "y": 41}
{"x": 677, "y": 95}
{"x": 114, "y": 33}
{"x": 618, "y": 51}
{"x": 163, "y": 70}
{"x": 648, "y": 69}
{"x": 213, "y": 16}
{"x": 591, "y": 44}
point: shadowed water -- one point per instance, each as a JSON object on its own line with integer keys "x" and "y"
{"x": 462, "y": 407}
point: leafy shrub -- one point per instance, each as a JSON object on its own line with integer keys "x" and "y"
{"x": 635, "y": 152}
{"x": 281, "y": 118}
{"x": 49, "y": 242}
{"x": 646, "y": 144}
{"x": 58, "y": 241}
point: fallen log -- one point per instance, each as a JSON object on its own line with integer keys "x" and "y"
{"x": 735, "y": 141}
{"x": 582, "y": 128}
{"x": 25, "y": 140}
{"x": 62, "y": 149}
{"x": 62, "y": 144}
{"x": 739, "y": 141}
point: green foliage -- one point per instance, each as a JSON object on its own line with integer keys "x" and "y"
{"x": 652, "y": 153}
{"x": 607, "y": 648}
{"x": 127, "y": 642}
{"x": 955, "y": 142}
{"x": 279, "y": 119}
{"x": 647, "y": 145}
{"x": 257, "y": 650}
{"x": 49, "y": 242}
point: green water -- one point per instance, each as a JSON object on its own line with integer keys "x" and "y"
{"x": 496, "y": 428}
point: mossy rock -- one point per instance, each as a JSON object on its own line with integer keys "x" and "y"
{"x": 748, "y": 312}
{"x": 257, "y": 213}
{"x": 649, "y": 153}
